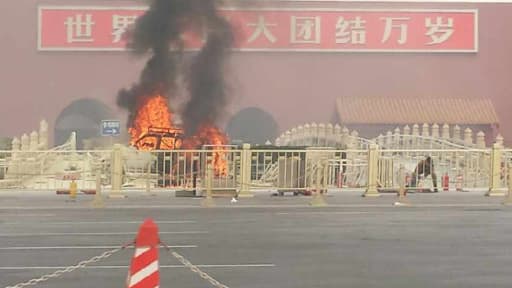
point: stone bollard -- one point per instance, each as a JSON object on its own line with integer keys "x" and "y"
{"x": 321, "y": 185}
{"x": 208, "y": 202}
{"x": 117, "y": 172}
{"x": 494, "y": 187}
{"x": 373, "y": 159}
{"x": 98, "y": 202}
{"x": 245, "y": 167}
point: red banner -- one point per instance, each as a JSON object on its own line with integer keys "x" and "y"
{"x": 319, "y": 30}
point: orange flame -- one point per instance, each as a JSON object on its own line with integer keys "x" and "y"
{"x": 153, "y": 112}
{"x": 153, "y": 120}
{"x": 212, "y": 136}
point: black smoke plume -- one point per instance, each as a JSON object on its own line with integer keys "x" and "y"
{"x": 206, "y": 83}
{"x": 159, "y": 32}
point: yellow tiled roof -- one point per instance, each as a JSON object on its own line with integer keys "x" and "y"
{"x": 383, "y": 110}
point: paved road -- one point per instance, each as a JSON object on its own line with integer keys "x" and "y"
{"x": 445, "y": 240}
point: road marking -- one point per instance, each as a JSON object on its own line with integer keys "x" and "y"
{"x": 81, "y": 247}
{"x": 322, "y": 213}
{"x": 28, "y": 215}
{"x": 125, "y": 267}
{"x": 95, "y": 234}
{"x": 102, "y": 222}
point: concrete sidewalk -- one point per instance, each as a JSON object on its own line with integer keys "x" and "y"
{"x": 261, "y": 199}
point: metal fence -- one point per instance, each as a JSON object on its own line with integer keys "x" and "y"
{"x": 456, "y": 169}
{"x": 505, "y": 169}
{"x": 49, "y": 170}
{"x": 242, "y": 170}
{"x": 184, "y": 170}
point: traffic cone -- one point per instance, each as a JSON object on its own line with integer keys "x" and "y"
{"x": 144, "y": 268}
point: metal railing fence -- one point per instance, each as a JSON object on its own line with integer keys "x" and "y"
{"x": 238, "y": 169}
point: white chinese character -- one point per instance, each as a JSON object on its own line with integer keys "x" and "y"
{"x": 390, "y": 25}
{"x": 350, "y": 31}
{"x": 119, "y": 26}
{"x": 79, "y": 29}
{"x": 439, "y": 31}
{"x": 305, "y": 30}
{"x": 262, "y": 28}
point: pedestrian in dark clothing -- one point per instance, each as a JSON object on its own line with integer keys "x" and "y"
{"x": 424, "y": 168}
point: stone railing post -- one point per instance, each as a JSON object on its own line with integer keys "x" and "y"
{"x": 208, "y": 201}
{"x": 456, "y": 133}
{"x": 25, "y": 142}
{"x": 307, "y": 135}
{"x": 495, "y": 171}
{"x": 301, "y": 137}
{"x": 345, "y": 136}
{"x": 116, "y": 172}
{"x": 480, "y": 140}
{"x": 314, "y": 134}
{"x": 415, "y": 136}
{"x": 294, "y": 137}
{"x": 445, "y": 134}
{"x": 468, "y": 137}
{"x": 34, "y": 141}
{"x": 329, "y": 136}
{"x": 288, "y": 138}
{"x": 389, "y": 140}
{"x": 321, "y": 135}
{"x": 320, "y": 183}
{"x": 245, "y": 171}
{"x": 435, "y": 131}
{"x": 43, "y": 135}
{"x": 337, "y": 135}
{"x": 373, "y": 159}
{"x": 425, "y": 133}
{"x": 508, "y": 199}
{"x": 396, "y": 139}
{"x": 16, "y": 144}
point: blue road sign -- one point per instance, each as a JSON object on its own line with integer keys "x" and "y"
{"x": 110, "y": 127}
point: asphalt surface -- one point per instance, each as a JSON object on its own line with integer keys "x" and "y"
{"x": 444, "y": 240}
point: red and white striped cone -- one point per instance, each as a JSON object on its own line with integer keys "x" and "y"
{"x": 144, "y": 268}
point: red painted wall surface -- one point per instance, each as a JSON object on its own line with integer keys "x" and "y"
{"x": 294, "y": 87}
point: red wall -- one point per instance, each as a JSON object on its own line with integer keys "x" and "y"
{"x": 294, "y": 87}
